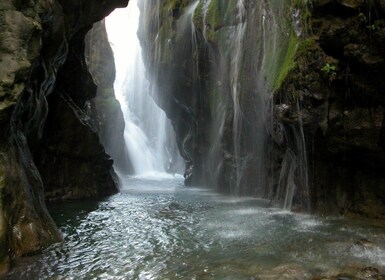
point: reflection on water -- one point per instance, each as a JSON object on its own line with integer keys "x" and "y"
{"x": 158, "y": 229}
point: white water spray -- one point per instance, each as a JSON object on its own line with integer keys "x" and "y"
{"x": 145, "y": 123}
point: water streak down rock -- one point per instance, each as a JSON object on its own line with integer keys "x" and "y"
{"x": 37, "y": 39}
{"x": 216, "y": 64}
{"x": 337, "y": 83}
{"x": 281, "y": 101}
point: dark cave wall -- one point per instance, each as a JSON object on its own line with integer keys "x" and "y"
{"x": 38, "y": 38}
{"x": 338, "y": 84}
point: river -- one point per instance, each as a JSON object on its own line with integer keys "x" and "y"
{"x": 156, "y": 228}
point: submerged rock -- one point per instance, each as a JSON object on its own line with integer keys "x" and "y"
{"x": 353, "y": 273}
{"x": 286, "y": 272}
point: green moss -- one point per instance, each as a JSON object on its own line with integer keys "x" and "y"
{"x": 287, "y": 63}
{"x": 165, "y": 36}
{"x": 198, "y": 16}
{"x": 221, "y": 13}
{"x": 295, "y": 48}
{"x": 282, "y": 51}
{"x": 173, "y": 8}
{"x": 306, "y": 45}
{"x": 299, "y": 3}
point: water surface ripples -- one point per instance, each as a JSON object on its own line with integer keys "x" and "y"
{"x": 158, "y": 229}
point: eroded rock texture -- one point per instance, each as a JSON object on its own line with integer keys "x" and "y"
{"x": 336, "y": 91}
{"x": 280, "y": 101}
{"x": 216, "y": 64}
{"x": 38, "y": 38}
{"x": 105, "y": 108}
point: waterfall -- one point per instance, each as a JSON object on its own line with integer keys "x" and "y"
{"x": 297, "y": 176}
{"x": 145, "y": 123}
{"x": 219, "y": 65}
{"x": 236, "y": 55}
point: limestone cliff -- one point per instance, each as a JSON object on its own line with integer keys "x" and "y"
{"x": 105, "y": 108}
{"x": 40, "y": 59}
{"x": 280, "y": 100}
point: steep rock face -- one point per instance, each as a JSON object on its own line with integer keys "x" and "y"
{"x": 215, "y": 63}
{"x": 336, "y": 92}
{"x": 35, "y": 39}
{"x": 71, "y": 161}
{"x": 280, "y": 101}
{"x": 105, "y": 108}
{"x": 171, "y": 65}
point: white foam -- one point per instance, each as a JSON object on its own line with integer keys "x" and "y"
{"x": 375, "y": 255}
{"x": 154, "y": 175}
{"x": 247, "y": 211}
{"x": 234, "y": 234}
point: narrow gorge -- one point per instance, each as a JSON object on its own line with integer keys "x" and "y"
{"x": 192, "y": 139}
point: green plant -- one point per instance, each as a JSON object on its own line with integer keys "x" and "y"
{"x": 373, "y": 27}
{"x": 330, "y": 71}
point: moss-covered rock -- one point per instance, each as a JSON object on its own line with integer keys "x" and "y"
{"x": 335, "y": 92}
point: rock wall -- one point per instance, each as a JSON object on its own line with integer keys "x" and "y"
{"x": 280, "y": 101}
{"x": 215, "y": 64}
{"x": 336, "y": 91}
{"x": 40, "y": 59}
{"x": 105, "y": 108}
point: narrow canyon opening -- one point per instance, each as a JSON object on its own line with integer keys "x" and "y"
{"x": 148, "y": 135}
{"x": 192, "y": 139}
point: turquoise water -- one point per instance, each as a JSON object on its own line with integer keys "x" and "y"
{"x": 156, "y": 228}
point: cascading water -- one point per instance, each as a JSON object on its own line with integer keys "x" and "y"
{"x": 225, "y": 71}
{"x": 154, "y": 229}
{"x": 236, "y": 55}
{"x": 236, "y": 77}
{"x": 145, "y": 123}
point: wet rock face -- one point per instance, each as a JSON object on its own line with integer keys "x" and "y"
{"x": 173, "y": 70}
{"x": 320, "y": 67}
{"x": 206, "y": 59}
{"x": 105, "y": 109}
{"x": 36, "y": 37}
{"x": 337, "y": 83}
{"x": 71, "y": 160}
